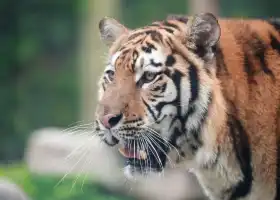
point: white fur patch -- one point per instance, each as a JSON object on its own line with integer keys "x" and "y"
{"x": 201, "y": 105}
{"x": 185, "y": 94}
{"x": 114, "y": 57}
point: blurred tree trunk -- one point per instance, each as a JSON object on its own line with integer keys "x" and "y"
{"x": 198, "y": 6}
{"x": 93, "y": 52}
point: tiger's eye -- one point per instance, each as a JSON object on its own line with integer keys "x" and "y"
{"x": 149, "y": 76}
{"x": 111, "y": 74}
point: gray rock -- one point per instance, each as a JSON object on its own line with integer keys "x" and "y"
{"x": 10, "y": 191}
{"x": 53, "y": 151}
{"x": 50, "y": 151}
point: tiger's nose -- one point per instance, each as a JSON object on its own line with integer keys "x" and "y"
{"x": 111, "y": 120}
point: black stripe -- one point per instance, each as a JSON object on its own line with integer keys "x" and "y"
{"x": 221, "y": 65}
{"x": 275, "y": 23}
{"x": 149, "y": 109}
{"x": 140, "y": 40}
{"x": 146, "y": 49}
{"x": 160, "y": 88}
{"x": 194, "y": 134}
{"x": 168, "y": 73}
{"x": 157, "y": 96}
{"x": 168, "y": 42}
{"x": 175, "y": 135}
{"x": 275, "y": 44}
{"x": 193, "y": 138}
{"x": 150, "y": 45}
{"x": 168, "y": 30}
{"x": 125, "y": 51}
{"x": 242, "y": 149}
{"x": 247, "y": 66}
{"x": 114, "y": 141}
{"x": 176, "y": 78}
{"x": 103, "y": 86}
{"x": 194, "y": 82}
{"x": 157, "y": 88}
{"x": 261, "y": 55}
{"x": 248, "y": 69}
{"x": 259, "y": 48}
{"x": 172, "y": 122}
{"x": 155, "y": 64}
{"x": 166, "y": 23}
{"x": 170, "y": 61}
{"x": 106, "y": 81}
{"x": 163, "y": 88}
{"x": 131, "y": 37}
{"x": 155, "y": 36}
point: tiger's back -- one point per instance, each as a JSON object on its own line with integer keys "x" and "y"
{"x": 248, "y": 67}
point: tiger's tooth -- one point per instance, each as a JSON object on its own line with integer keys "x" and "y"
{"x": 122, "y": 151}
{"x": 143, "y": 154}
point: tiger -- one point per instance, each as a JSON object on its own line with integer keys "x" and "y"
{"x": 203, "y": 86}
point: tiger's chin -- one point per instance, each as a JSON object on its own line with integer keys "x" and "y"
{"x": 132, "y": 173}
{"x": 111, "y": 140}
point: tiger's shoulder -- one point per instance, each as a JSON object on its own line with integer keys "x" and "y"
{"x": 248, "y": 70}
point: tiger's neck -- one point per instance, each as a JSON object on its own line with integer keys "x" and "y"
{"x": 213, "y": 129}
{"x": 203, "y": 129}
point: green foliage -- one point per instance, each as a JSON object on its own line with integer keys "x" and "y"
{"x": 47, "y": 187}
{"x": 38, "y": 73}
{"x": 250, "y": 8}
{"x": 139, "y": 13}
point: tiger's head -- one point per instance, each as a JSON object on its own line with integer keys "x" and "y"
{"x": 157, "y": 86}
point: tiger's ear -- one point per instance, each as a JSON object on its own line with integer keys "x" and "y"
{"x": 203, "y": 31}
{"x": 110, "y": 30}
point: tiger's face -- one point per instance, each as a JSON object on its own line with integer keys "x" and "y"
{"x": 155, "y": 86}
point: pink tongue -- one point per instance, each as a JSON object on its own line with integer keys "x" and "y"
{"x": 129, "y": 153}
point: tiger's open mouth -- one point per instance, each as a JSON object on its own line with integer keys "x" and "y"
{"x": 132, "y": 153}
{"x": 145, "y": 158}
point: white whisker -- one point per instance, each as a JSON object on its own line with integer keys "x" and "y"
{"x": 154, "y": 151}
{"x": 162, "y": 150}
{"x": 77, "y": 149}
{"x": 71, "y": 169}
{"x": 158, "y": 136}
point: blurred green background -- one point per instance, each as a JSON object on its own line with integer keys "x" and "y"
{"x": 40, "y": 79}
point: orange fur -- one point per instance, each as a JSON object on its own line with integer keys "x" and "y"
{"x": 254, "y": 99}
